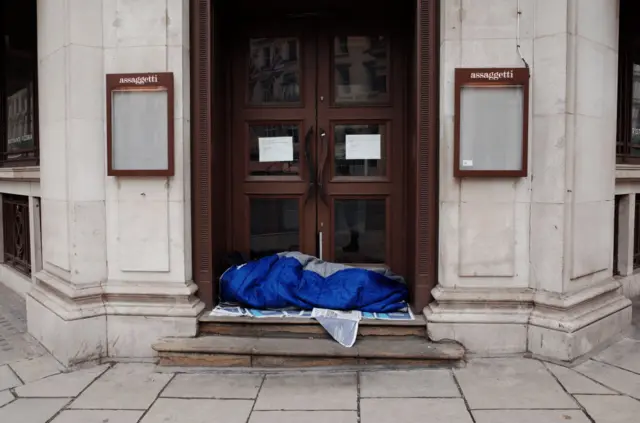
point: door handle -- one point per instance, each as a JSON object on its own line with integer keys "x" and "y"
{"x": 309, "y": 164}
{"x": 323, "y": 160}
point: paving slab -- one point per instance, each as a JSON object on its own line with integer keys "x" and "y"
{"x": 124, "y": 387}
{"x": 575, "y": 383}
{"x": 63, "y": 385}
{"x": 309, "y": 391}
{"x": 98, "y": 416}
{"x": 15, "y": 342}
{"x": 623, "y": 354}
{"x": 530, "y": 416}
{"x": 511, "y": 383}
{"x": 610, "y": 409}
{"x": 411, "y": 383}
{"x": 5, "y": 398}
{"x": 8, "y": 379}
{"x": 612, "y": 377}
{"x": 36, "y": 368}
{"x": 304, "y": 416}
{"x": 220, "y": 386}
{"x": 174, "y": 410}
{"x": 423, "y": 410}
{"x": 32, "y": 410}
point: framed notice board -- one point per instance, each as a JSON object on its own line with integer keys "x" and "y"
{"x": 140, "y": 126}
{"x": 491, "y": 122}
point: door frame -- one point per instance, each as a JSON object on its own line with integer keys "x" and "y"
{"x": 315, "y": 186}
{"x": 209, "y": 161}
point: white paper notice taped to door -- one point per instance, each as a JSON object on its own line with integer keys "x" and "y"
{"x": 275, "y": 149}
{"x": 363, "y": 147}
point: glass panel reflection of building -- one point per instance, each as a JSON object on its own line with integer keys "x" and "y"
{"x": 635, "y": 112}
{"x": 273, "y": 71}
{"x": 360, "y": 69}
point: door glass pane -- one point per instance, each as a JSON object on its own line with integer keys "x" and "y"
{"x": 275, "y": 226}
{"x": 274, "y": 71}
{"x": 20, "y": 105}
{"x": 359, "y": 150}
{"x": 274, "y": 149}
{"x": 360, "y": 235}
{"x": 635, "y": 112}
{"x": 361, "y": 69}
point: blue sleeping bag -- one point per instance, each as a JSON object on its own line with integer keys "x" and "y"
{"x": 296, "y": 280}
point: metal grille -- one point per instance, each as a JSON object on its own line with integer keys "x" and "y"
{"x": 16, "y": 236}
{"x": 636, "y": 234}
{"x": 616, "y": 228}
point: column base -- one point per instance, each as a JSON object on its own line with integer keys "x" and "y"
{"x": 115, "y": 319}
{"x": 565, "y": 328}
{"x": 72, "y": 341}
{"x": 559, "y": 327}
{"x": 486, "y": 322}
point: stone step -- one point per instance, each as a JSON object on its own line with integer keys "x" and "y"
{"x": 304, "y": 328}
{"x": 247, "y": 351}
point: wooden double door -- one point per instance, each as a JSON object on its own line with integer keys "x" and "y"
{"x": 318, "y": 142}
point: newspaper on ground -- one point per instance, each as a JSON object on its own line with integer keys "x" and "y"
{"x": 234, "y": 310}
{"x": 341, "y": 325}
{"x": 261, "y": 314}
{"x": 229, "y": 311}
{"x": 303, "y": 314}
{"x": 398, "y": 315}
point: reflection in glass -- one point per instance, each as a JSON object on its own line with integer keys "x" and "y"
{"x": 20, "y": 96}
{"x": 491, "y": 128}
{"x": 359, "y": 167}
{"x": 635, "y": 112}
{"x": 274, "y": 71}
{"x": 140, "y": 129}
{"x": 360, "y": 235}
{"x": 274, "y": 226}
{"x": 256, "y": 167}
{"x": 361, "y": 69}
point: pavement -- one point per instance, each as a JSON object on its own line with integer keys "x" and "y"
{"x": 35, "y": 388}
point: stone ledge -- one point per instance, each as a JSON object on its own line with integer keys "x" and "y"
{"x": 482, "y": 295}
{"x": 419, "y": 321}
{"x": 627, "y": 172}
{"x": 572, "y": 320}
{"x": 137, "y": 299}
{"x": 398, "y": 348}
{"x": 570, "y": 346}
{"x": 502, "y": 322}
{"x": 573, "y": 299}
{"x": 26, "y": 173}
{"x": 483, "y": 339}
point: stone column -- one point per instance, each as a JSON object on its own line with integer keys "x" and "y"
{"x": 483, "y": 298}
{"x": 149, "y": 290}
{"x": 526, "y": 264}
{"x": 116, "y": 271}
{"x": 578, "y": 305}
{"x": 64, "y": 309}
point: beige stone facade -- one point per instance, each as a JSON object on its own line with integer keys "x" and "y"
{"x": 524, "y": 264}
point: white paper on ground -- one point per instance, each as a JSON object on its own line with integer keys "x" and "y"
{"x": 363, "y": 147}
{"x": 341, "y": 325}
{"x": 229, "y": 311}
{"x": 275, "y": 149}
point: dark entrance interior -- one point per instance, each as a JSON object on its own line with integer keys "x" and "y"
{"x": 313, "y": 136}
